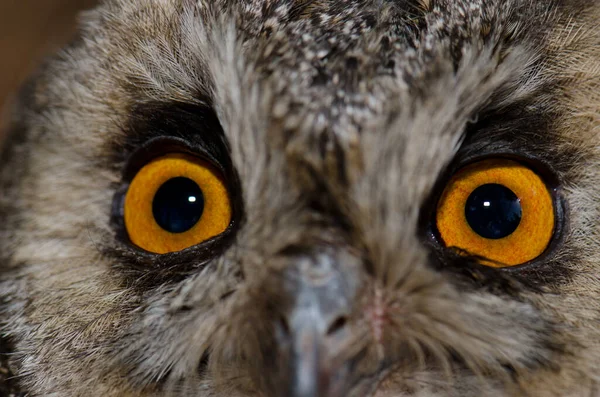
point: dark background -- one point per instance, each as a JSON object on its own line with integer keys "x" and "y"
{"x": 29, "y": 30}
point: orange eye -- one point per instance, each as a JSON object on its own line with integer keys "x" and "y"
{"x": 499, "y": 210}
{"x": 175, "y": 202}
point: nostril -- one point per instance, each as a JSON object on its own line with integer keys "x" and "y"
{"x": 283, "y": 326}
{"x": 337, "y": 325}
{"x": 227, "y": 295}
{"x": 203, "y": 363}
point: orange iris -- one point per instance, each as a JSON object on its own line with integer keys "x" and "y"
{"x": 529, "y": 238}
{"x": 210, "y": 216}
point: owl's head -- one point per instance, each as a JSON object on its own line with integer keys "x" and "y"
{"x": 308, "y": 198}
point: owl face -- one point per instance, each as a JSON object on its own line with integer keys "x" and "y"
{"x": 308, "y": 198}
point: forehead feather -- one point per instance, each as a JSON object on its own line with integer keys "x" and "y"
{"x": 345, "y": 54}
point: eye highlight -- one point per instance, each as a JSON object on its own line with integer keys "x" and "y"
{"x": 499, "y": 210}
{"x": 175, "y": 202}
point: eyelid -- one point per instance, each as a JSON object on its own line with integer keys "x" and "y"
{"x": 157, "y": 147}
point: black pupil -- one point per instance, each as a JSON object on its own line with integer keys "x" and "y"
{"x": 493, "y": 211}
{"x": 178, "y": 205}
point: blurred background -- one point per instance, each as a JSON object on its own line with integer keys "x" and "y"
{"x": 29, "y": 30}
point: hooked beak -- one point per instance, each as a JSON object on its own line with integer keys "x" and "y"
{"x": 323, "y": 290}
{"x": 313, "y": 368}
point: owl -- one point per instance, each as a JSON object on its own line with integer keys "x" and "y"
{"x": 307, "y": 198}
